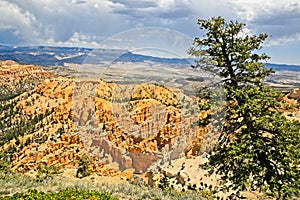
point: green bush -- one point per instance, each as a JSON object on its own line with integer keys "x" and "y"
{"x": 83, "y": 167}
{"x": 46, "y": 172}
{"x": 70, "y": 193}
{"x": 4, "y": 162}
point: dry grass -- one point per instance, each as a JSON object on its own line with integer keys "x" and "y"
{"x": 12, "y": 183}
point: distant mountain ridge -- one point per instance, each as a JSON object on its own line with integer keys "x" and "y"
{"x": 131, "y": 57}
{"x": 283, "y": 67}
{"x": 44, "y": 55}
{"x": 57, "y": 56}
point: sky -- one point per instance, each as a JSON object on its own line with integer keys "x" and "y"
{"x": 143, "y": 25}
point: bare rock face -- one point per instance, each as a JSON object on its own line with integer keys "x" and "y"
{"x": 184, "y": 173}
{"x": 141, "y": 162}
{"x": 17, "y": 78}
{"x": 138, "y": 124}
{"x": 49, "y": 134}
{"x": 103, "y": 149}
{"x": 63, "y": 153}
{"x": 7, "y": 63}
{"x": 183, "y": 177}
{"x": 144, "y": 122}
{"x": 294, "y": 94}
{"x": 134, "y": 126}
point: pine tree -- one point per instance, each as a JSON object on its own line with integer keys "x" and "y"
{"x": 259, "y": 148}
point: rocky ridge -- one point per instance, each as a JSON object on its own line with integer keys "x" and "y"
{"x": 132, "y": 126}
{"x": 17, "y": 79}
{"x": 138, "y": 124}
{"x": 41, "y": 131}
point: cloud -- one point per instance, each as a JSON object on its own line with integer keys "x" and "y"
{"x": 58, "y": 20}
{"x": 17, "y": 24}
{"x": 78, "y": 40}
{"x": 145, "y": 13}
{"x": 280, "y": 20}
{"x": 283, "y": 40}
{"x": 134, "y": 3}
{"x": 84, "y": 23}
{"x": 150, "y": 39}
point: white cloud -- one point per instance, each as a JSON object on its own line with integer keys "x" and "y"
{"x": 88, "y": 22}
{"x": 58, "y": 20}
{"x": 280, "y": 20}
{"x": 207, "y": 9}
{"x": 77, "y": 39}
{"x": 20, "y": 21}
{"x": 283, "y": 40}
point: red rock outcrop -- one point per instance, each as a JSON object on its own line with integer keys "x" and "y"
{"x": 294, "y": 94}
{"x": 136, "y": 125}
